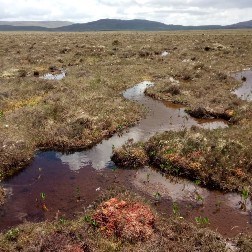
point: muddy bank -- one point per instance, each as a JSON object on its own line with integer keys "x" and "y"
{"x": 206, "y": 114}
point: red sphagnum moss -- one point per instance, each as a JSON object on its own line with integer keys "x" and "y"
{"x": 128, "y": 220}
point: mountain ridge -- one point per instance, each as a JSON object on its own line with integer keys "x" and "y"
{"x": 120, "y": 25}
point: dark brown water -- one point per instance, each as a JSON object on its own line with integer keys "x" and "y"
{"x": 223, "y": 210}
{"x": 66, "y": 191}
{"x": 60, "y": 185}
{"x": 245, "y": 90}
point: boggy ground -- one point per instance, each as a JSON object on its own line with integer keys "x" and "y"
{"x": 102, "y": 228}
{"x": 87, "y": 105}
{"x": 217, "y": 159}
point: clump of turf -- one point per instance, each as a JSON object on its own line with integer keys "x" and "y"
{"x": 128, "y": 225}
{"x": 132, "y": 221}
{"x": 130, "y": 156}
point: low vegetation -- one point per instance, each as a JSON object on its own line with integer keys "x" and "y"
{"x": 216, "y": 158}
{"x": 87, "y": 105}
{"x": 2, "y": 196}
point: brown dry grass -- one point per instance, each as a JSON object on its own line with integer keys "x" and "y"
{"x": 2, "y": 196}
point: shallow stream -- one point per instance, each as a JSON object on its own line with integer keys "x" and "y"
{"x": 62, "y": 185}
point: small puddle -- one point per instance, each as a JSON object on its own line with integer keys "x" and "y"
{"x": 165, "y": 53}
{"x": 58, "y": 184}
{"x": 54, "y": 76}
{"x": 245, "y": 90}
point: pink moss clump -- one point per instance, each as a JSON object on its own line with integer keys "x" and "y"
{"x": 129, "y": 220}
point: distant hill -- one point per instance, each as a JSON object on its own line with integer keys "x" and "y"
{"x": 242, "y": 25}
{"x": 130, "y": 25}
{"x": 114, "y": 25}
{"x": 22, "y": 28}
{"x": 46, "y": 24}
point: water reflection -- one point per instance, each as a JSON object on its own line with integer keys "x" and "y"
{"x": 69, "y": 181}
{"x": 54, "y": 76}
{"x": 245, "y": 90}
{"x": 164, "y": 54}
{"x": 161, "y": 117}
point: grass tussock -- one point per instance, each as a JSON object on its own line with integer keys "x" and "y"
{"x": 129, "y": 156}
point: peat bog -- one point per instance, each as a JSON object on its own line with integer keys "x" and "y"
{"x": 72, "y": 113}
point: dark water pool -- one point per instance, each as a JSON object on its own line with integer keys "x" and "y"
{"x": 57, "y": 184}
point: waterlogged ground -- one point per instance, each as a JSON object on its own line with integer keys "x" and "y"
{"x": 86, "y": 105}
{"x": 63, "y": 184}
{"x": 191, "y": 201}
{"x": 45, "y": 107}
{"x": 62, "y": 177}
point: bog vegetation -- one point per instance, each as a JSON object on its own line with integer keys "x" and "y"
{"x": 87, "y": 106}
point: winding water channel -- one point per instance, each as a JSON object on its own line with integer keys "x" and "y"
{"x": 57, "y": 184}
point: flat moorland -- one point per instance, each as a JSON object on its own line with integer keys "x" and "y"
{"x": 87, "y": 105}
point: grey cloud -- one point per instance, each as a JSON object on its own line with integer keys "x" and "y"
{"x": 23, "y": 14}
{"x": 180, "y": 11}
{"x": 199, "y": 3}
{"x": 118, "y": 2}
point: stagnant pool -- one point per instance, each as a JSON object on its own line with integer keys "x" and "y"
{"x": 58, "y": 184}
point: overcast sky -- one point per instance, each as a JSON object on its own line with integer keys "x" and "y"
{"x": 185, "y": 12}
